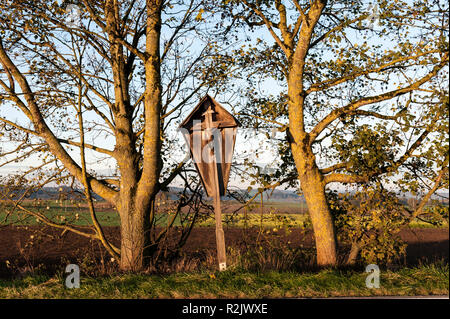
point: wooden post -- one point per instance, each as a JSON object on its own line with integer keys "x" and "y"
{"x": 220, "y": 236}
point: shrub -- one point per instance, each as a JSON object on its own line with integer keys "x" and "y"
{"x": 370, "y": 220}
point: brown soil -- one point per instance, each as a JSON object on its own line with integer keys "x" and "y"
{"x": 28, "y": 248}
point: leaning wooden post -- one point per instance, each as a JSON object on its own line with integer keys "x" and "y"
{"x": 215, "y": 156}
{"x": 220, "y": 235}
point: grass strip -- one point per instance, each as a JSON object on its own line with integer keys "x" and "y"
{"x": 423, "y": 280}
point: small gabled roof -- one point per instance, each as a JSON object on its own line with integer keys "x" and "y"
{"x": 224, "y": 118}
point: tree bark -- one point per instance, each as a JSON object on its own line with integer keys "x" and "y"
{"x": 353, "y": 255}
{"x": 132, "y": 234}
{"x": 324, "y": 232}
{"x": 313, "y": 187}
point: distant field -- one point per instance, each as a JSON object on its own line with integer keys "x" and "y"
{"x": 65, "y": 212}
{"x": 275, "y": 214}
{"x": 78, "y": 214}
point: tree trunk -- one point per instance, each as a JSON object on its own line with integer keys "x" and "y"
{"x": 135, "y": 234}
{"x": 353, "y": 255}
{"x": 323, "y": 226}
{"x": 309, "y": 175}
{"x": 139, "y": 185}
{"x": 132, "y": 241}
{"x": 313, "y": 187}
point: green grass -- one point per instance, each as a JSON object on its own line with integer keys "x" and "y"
{"x": 425, "y": 280}
{"x": 421, "y": 224}
{"x": 268, "y": 220}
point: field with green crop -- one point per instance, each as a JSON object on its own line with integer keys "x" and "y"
{"x": 274, "y": 214}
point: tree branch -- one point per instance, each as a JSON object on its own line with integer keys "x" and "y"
{"x": 333, "y": 115}
{"x": 92, "y": 147}
{"x": 426, "y": 198}
{"x": 270, "y": 25}
{"x": 44, "y": 131}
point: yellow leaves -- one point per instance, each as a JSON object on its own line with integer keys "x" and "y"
{"x": 199, "y": 15}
